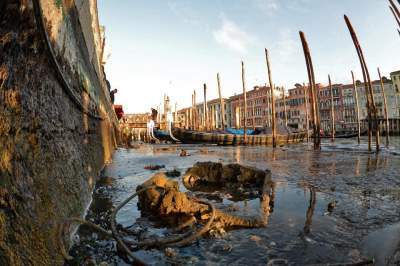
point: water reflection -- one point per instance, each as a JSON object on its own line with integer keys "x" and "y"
{"x": 310, "y": 211}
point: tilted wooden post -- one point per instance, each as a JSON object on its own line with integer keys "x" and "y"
{"x": 221, "y": 102}
{"x": 196, "y": 114}
{"x": 385, "y": 108}
{"x": 395, "y": 11}
{"x": 271, "y": 86}
{"x": 192, "y": 114}
{"x": 205, "y": 116}
{"x": 332, "y": 110}
{"x": 245, "y": 103}
{"x": 307, "y": 121}
{"x": 311, "y": 78}
{"x": 284, "y": 106}
{"x": 268, "y": 103}
{"x": 395, "y": 16}
{"x": 357, "y": 108}
{"x": 254, "y": 114}
{"x": 367, "y": 80}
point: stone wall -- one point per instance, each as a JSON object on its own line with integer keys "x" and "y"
{"x": 50, "y": 151}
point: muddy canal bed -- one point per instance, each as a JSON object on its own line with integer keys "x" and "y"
{"x": 338, "y": 205}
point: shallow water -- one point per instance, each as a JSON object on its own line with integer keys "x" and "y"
{"x": 365, "y": 222}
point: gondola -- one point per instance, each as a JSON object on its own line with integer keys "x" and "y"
{"x": 346, "y": 135}
{"x": 189, "y": 136}
{"x": 162, "y": 135}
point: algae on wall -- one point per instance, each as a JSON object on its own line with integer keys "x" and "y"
{"x": 50, "y": 152}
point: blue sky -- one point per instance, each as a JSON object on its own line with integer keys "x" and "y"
{"x": 173, "y": 47}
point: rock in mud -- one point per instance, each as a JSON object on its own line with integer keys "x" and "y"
{"x": 183, "y": 153}
{"x": 240, "y": 181}
{"x": 165, "y": 202}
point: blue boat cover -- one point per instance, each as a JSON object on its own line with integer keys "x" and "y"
{"x": 239, "y": 131}
{"x": 160, "y": 133}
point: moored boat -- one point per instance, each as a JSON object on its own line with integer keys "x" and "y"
{"x": 188, "y": 136}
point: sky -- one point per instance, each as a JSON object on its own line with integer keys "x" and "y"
{"x": 173, "y": 47}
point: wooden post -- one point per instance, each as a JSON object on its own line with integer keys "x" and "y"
{"x": 254, "y": 115}
{"x": 395, "y": 15}
{"x": 284, "y": 106}
{"x": 213, "y": 121}
{"x": 245, "y": 103}
{"x": 385, "y": 108}
{"x": 268, "y": 107}
{"x": 205, "y": 118}
{"x": 395, "y": 11}
{"x": 311, "y": 78}
{"x": 175, "y": 114}
{"x": 195, "y": 113}
{"x": 332, "y": 111}
{"x": 192, "y": 114}
{"x": 158, "y": 114}
{"x": 357, "y": 108}
{"x": 368, "y": 87}
{"x": 221, "y": 102}
{"x": 307, "y": 121}
{"x": 271, "y": 86}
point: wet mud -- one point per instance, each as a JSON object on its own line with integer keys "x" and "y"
{"x": 337, "y": 205}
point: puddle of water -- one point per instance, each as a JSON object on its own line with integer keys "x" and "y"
{"x": 359, "y": 188}
{"x": 388, "y": 241}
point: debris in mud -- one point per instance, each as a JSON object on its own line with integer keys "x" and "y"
{"x": 170, "y": 252}
{"x": 255, "y": 238}
{"x": 173, "y": 173}
{"x": 331, "y": 206}
{"x": 237, "y": 181}
{"x": 165, "y": 149}
{"x": 154, "y": 167}
{"x": 164, "y": 200}
{"x": 183, "y": 153}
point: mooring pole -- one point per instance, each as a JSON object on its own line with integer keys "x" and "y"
{"x": 368, "y": 87}
{"x": 357, "y": 108}
{"x": 385, "y": 108}
{"x": 395, "y": 11}
{"x": 284, "y": 106}
{"x": 205, "y": 118}
{"x": 271, "y": 86}
{"x": 196, "y": 114}
{"x": 221, "y": 102}
{"x": 311, "y": 78}
{"x": 332, "y": 111}
{"x": 307, "y": 120}
{"x": 245, "y": 103}
{"x": 254, "y": 115}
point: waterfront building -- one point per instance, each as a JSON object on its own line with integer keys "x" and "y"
{"x": 259, "y": 111}
{"x": 325, "y": 107}
{"x": 295, "y": 108}
{"x": 258, "y": 107}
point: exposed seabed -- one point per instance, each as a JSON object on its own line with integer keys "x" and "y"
{"x": 337, "y": 205}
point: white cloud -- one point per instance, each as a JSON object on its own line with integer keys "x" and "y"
{"x": 267, "y": 6}
{"x": 232, "y": 37}
{"x": 287, "y": 45}
{"x": 184, "y": 12}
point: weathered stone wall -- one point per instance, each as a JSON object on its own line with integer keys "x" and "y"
{"x": 50, "y": 152}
